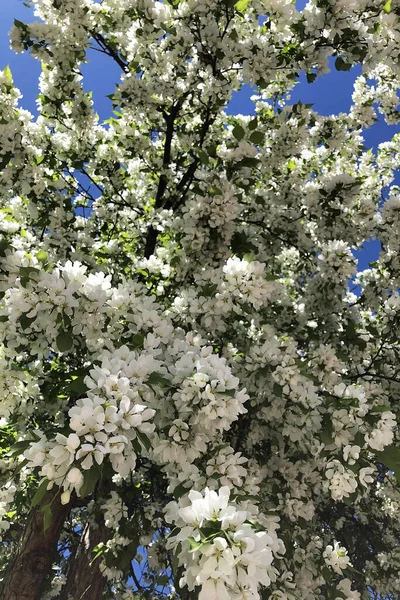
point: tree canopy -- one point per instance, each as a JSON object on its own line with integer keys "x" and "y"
{"x": 199, "y": 390}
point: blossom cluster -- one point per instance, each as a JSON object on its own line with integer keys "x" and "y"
{"x": 227, "y": 548}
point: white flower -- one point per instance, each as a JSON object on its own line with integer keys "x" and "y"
{"x": 214, "y": 589}
{"x": 64, "y": 451}
{"x": 365, "y": 476}
{"x": 336, "y": 557}
{"x": 75, "y": 478}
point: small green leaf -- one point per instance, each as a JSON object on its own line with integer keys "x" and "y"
{"x": 19, "y": 24}
{"x": 257, "y": 137}
{"x": 180, "y": 491}
{"x": 47, "y": 516}
{"x": 157, "y": 379}
{"x": 249, "y": 161}
{"x": 163, "y": 580}
{"x": 40, "y": 493}
{"x": 5, "y": 159}
{"x": 77, "y": 384}
{"x": 388, "y": 6}
{"x": 253, "y": 124}
{"x": 64, "y": 341}
{"x": 238, "y": 132}
{"x": 137, "y": 340}
{"x": 390, "y": 457}
{"x": 380, "y": 409}
{"x": 230, "y": 393}
{"x": 342, "y": 65}
{"x": 194, "y": 545}
{"x": 8, "y": 74}
{"x": 311, "y": 77}
{"x": 326, "y": 435}
{"x": 90, "y": 479}
{"x": 18, "y": 448}
{"x": 326, "y": 574}
{"x": 20, "y": 466}
{"x": 27, "y": 273}
{"x": 242, "y": 5}
{"x": 144, "y": 440}
{"x": 98, "y": 551}
{"x": 209, "y": 290}
{"x": 203, "y": 156}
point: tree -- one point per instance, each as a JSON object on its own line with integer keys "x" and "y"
{"x": 199, "y": 391}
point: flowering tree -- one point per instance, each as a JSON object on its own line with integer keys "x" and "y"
{"x": 195, "y": 403}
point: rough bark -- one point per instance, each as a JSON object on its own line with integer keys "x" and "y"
{"x": 26, "y": 575}
{"x": 84, "y": 580}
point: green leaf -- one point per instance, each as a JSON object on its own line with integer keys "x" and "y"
{"x": 20, "y": 466}
{"x": 180, "y": 491}
{"x": 40, "y": 493}
{"x": 163, "y": 580}
{"x": 203, "y": 156}
{"x": 8, "y": 74}
{"x": 18, "y": 448}
{"x": 209, "y": 290}
{"x": 326, "y": 574}
{"x": 241, "y": 245}
{"x": 342, "y": 65}
{"x": 390, "y": 457}
{"x": 125, "y": 558}
{"x": 19, "y": 24}
{"x": 42, "y": 256}
{"x": 257, "y": 137}
{"x": 5, "y": 159}
{"x": 157, "y": 379}
{"x": 256, "y": 525}
{"x": 27, "y": 274}
{"x": 98, "y": 551}
{"x": 253, "y": 124}
{"x": 242, "y": 5}
{"x": 388, "y": 6}
{"x": 230, "y": 393}
{"x": 64, "y": 341}
{"x": 326, "y": 434}
{"x": 238, "y": 132}
{"x": 144, "y": 440}
{"x": 78, "y": 385}
{"x": 90, "y": 479}
{"x": 311, "y": 77}
{"x": 380, "y": 409}
{"x": 47, "y": 516}
{"x": 194, "y": 545}
{"x": 249, "y": 161}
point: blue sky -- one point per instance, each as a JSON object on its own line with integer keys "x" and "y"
{"x": 330, "y": 94}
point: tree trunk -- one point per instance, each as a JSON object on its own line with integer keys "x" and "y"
{"x": 84, "y": 581}
{"x": 26, "y": 574}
